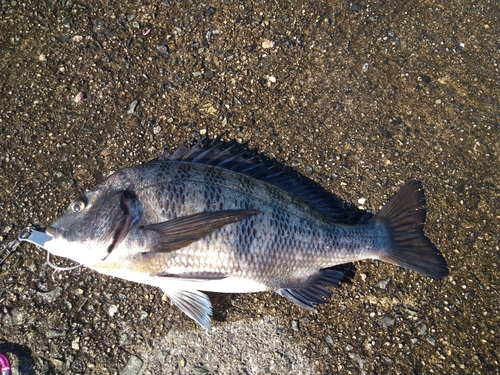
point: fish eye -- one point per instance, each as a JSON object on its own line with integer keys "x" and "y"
{"x": 78, "y": 205}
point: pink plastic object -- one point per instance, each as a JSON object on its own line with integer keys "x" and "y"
{"x": 4, "y": 365}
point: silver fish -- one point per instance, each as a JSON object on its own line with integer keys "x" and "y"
{"x": 205, "y": 219}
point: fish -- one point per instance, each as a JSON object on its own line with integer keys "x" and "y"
{"x": 206, "y": 218}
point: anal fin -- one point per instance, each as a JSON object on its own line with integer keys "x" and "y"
{"x": 194, "y": 304}
{"x": 313, "y": 291}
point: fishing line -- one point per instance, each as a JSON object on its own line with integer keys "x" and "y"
{"x": 57, "y": 268}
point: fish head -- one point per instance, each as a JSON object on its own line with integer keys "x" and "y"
{"x": 94, "y": 224}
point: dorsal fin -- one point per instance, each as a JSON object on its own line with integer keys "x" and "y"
{"x": 239, "y": 158}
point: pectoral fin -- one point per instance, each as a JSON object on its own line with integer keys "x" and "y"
{"x": 177, "y": 233}
{"x": 126, "y": 221}
{"x": 194, "y": 304}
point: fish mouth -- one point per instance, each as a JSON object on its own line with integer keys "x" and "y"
{"x": 55, "y": 232}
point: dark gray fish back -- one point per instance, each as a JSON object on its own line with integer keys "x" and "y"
{"x": 233, "y": 156}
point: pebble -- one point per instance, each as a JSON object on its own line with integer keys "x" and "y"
{"x": 387, "y": 321}
{"x": 64, "y": 179}
{"x": 80, "y": 97}
{"x": 423, "y": 330}
{"x": 210, "y": 11}
{"x": 387, "y": 359}
{"x": 329, "y": 340}
{"x": 75, "y": 344}
{"x": 53, "y": 333}
{"x": 52, "y": 295}
{"x": 133, "y": 366}
{"x": 132, "y": 107}
{"x": 267, "y": 44}
{"x": 431, "y": 341}
{"x": 162, "y": 48}
{"x": 295, "y": 325}
{"x": 30, "y": 263}
{"x": 200, "y": 371}
{"x": 382, "y": 284}
{"x": 18, "y": 316}
{"x": 113, "y": 309}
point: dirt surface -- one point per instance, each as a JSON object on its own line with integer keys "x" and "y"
{"x": 361, "y": 97}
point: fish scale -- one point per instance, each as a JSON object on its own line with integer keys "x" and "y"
{"x": 208, "y": 219}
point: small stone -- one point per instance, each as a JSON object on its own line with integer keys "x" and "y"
{"x": 30, "y": 263}
{"x": 75, "y": 344}
{"x": 132, "y": 107}
{"x": 208, "y": 108}
{"x": 438, "y": 101}
{"x": 431, "y": 341}
{"x": 7, "y": 229}
{"x": 200, "y": 371}
{"x": 77, "y": 38}
{"x": 64, "y": 180}
{"x": 329, "y": 340}
{"x": 18, "y": 316}
{"x": 133, "y": 366}
{"x": 295, "y": 325}
{"x": 423, "y": 330}
{"x": 387, "y": 359}
{"x": 80, "y": 97}
{"x": 387, "y": 321}
{"x": 42, "y": 57}
{"x": 52, "y": 295}
{"x": 210, "y": 11}
{"x": 53, "y": 333}
{"x": 113, "y": 309}
{"x": 182, "y": 362}
{"x": 382, "y": 284}
{"x": 157, "y": 129}
{"x": 59, "y": 365}
{"x": 162, "y": 48}
{"x": 267, "y": 44}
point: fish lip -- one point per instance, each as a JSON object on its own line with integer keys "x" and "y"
{"x": 54, "y": 232}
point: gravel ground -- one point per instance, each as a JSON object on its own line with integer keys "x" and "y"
{"x": 360, "y": 97}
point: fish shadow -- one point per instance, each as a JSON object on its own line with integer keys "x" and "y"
{"x": 24, "y": 355}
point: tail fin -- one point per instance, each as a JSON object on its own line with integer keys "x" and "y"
{"x": 403, "y": 218}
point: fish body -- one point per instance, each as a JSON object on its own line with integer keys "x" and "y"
{"x": 203, "y": 219}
